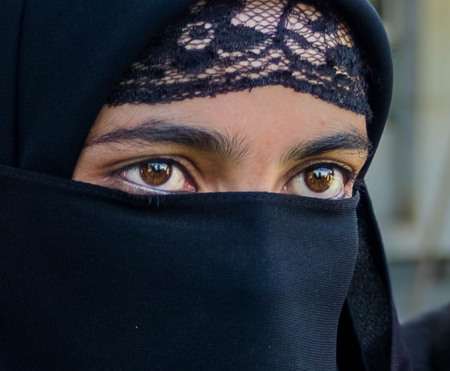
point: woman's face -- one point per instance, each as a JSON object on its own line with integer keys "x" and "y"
{"x": 271, "y": 139}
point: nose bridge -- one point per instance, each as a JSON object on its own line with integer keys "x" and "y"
{"x": 257, "y": 174}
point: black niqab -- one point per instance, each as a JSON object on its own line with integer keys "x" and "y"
{"x": 94, "y": 278}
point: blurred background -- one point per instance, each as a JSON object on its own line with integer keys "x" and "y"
{"x": 410, "y": 178}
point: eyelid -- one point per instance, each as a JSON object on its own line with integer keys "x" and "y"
{"x": 348, "y": 171}
{"x": 179, "y": 161}
{"x": 172, "y": 160}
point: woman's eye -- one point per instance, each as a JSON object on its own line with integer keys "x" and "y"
{"x": 320, "y": 181}
{"x": 159, "y": 176}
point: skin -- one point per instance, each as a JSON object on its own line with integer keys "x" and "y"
{"x": 271, "y": 137}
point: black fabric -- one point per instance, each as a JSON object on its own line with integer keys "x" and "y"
{"x": 373, "y": 310}
{"x": 428, "y": 339}
{"x": 72, "y": 284}
{"x": 60, "y": 60}
{"x": 241, "y": 281}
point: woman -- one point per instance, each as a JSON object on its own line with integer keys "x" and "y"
{"x": 273, "y": 103}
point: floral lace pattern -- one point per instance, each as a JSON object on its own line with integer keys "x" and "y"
{"x": 222, "y": 46}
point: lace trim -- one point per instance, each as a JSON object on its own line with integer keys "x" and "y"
{"x": 223, "y": 46}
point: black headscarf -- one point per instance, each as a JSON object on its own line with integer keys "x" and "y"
{"x": 92, "y": 278}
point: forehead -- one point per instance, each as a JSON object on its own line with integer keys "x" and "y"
{"x": 271, "y": 113}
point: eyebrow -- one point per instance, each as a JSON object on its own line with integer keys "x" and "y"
{"x": 208, "y": 140}
{"x": 351, "y": 140}
{"x": 160, "y": 131}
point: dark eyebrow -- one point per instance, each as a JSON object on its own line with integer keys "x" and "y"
{"x": 160, "y": 131}
{"x": 208, "y": 140}
{"x": 352, "y": 140}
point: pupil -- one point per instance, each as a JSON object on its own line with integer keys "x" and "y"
{"x": 319, "y": 180}
{"x": 155, "y": 173}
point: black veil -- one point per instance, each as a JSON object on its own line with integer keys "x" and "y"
{"x": 58, "y": 63}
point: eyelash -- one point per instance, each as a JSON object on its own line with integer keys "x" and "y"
{"x": 349, "y": 173}
{"x": 300, "y": 174}
{"x": 177, "y": 162}
{"x": 118, "y": 178}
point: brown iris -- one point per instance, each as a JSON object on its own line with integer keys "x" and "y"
{"x": 319, "y": 179}
{"x": 155, "y": 173}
